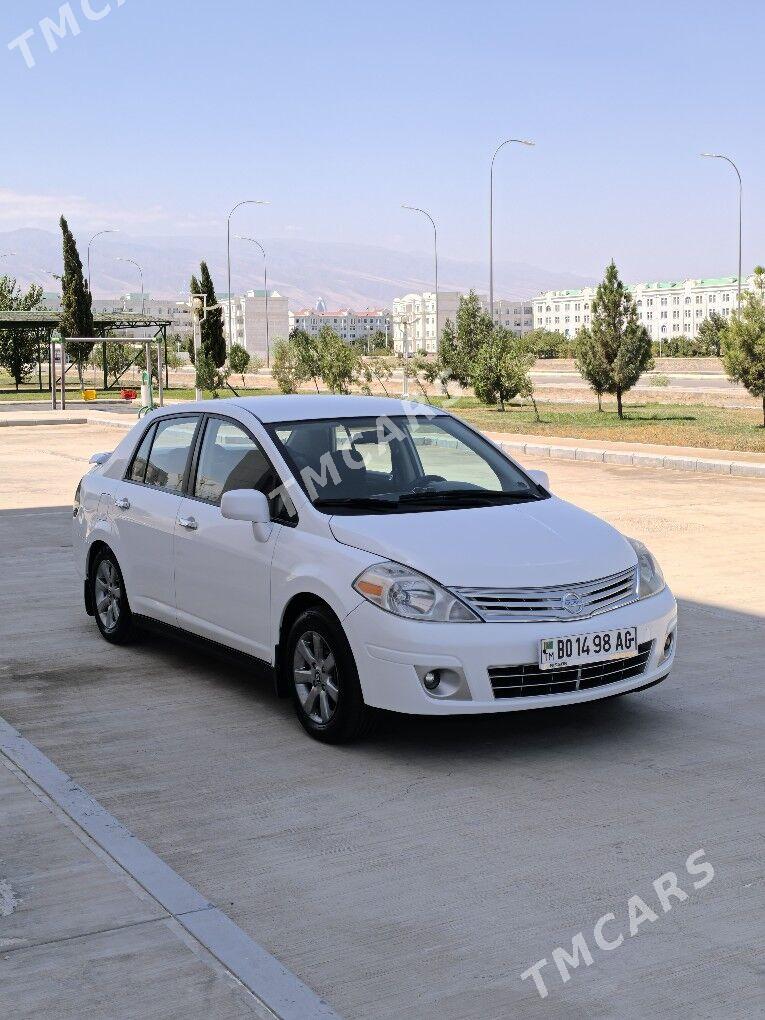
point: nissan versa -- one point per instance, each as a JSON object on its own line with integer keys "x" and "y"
{"x": 374, "y": 554}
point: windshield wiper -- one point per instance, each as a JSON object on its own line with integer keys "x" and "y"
{"x": 466, "y": 496}
{"x": 358, "y": 501}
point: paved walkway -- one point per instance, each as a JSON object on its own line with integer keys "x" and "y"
{"x": 93, "y": 924}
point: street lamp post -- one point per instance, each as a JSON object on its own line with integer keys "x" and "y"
{"x": 252, "y": 240}
{"x": 246, "y": 201}
{"x": 146, "y": 347}
{"x": 140, "y": 273}
{"x": 90, "y": 242}
{"x": 507, "y": 141}
{"x": 414, "y": 208}
{"x": 717, "y": 155}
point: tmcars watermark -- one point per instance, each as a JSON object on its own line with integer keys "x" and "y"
{"x": 666, "y": 888}
{"x": 53, "y": 30}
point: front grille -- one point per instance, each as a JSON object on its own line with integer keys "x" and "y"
{"x": 576, "y": 601}
{"x": 529, "y": 680}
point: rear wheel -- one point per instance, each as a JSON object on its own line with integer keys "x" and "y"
{"x": 109, "y": 599}
{"x": 324, "y": 680}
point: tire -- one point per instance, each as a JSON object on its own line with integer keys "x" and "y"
{"x": 107, "y": 588}
{"x": 323, "y": 680}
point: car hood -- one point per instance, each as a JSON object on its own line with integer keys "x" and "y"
{"x": 546, "y": 542}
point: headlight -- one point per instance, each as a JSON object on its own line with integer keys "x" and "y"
{"x": 407, "y": 593}
{"x": 650, "y": 578}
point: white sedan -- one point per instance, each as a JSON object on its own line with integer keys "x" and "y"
{"x": 371, "y": 554}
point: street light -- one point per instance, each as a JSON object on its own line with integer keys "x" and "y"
{"x": 246, "y": 201}
{"x": 507, "y": 141}
{"x": 90, "y": 242}
{"x": 717, "y": 155}
{"x": 414, "y": 208}
{"x": 252, "y": 240}
{"x": 140, "y": 273}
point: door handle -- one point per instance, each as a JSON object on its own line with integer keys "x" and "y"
{"x": 122, "y": 503}
{"x": 188, "y": 522}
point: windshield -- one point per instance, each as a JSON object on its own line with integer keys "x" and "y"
{"x": 399, "y": 464}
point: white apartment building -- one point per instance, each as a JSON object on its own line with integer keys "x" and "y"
{"x": 249, "y": 314}
{"x": 667, "y": 308}
{"x": 414, "y": 316}
{"x": 348, "y": 325}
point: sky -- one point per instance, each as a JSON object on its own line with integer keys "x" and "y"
{"x": 159, "y": 115}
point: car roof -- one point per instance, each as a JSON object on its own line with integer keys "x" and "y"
{"x": 310, "y": 406}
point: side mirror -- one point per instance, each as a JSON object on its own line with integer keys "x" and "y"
{"x": 248, "y": 505}
{"x": 541, "y": 478}
{"x": 100, "y": 458}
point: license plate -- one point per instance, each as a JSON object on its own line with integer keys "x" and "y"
{"x": 598, "y": 646}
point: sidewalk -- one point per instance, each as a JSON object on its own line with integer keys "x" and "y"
{"x": 643, "y": 455}
{"x": 102, "y": 928}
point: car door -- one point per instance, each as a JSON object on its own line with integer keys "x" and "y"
{"x": 144, "y": 512}
{"x": 222, "y": 572}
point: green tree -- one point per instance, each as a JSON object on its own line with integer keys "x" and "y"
{"x": 76, "y": 302}
{"x": 286, "y": 365}
{"x": 744, "y": 346}
{"x": 501, "y": 368}
{"x": 710, "y": 336}
{"x": 459, "y": 349}
{"x": 548, "y": 343}
{"x": 309, "y": 354}
{"x": 210, "y": 376}
{"x": 212, "y": 338}
{"x": 19, "y": 346}
{"x": 339, "y": 363}
{"x": 239, "y": 360}
{"x": 615, "y": 351}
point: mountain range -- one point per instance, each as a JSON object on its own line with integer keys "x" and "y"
{"x": 357, "y": 276}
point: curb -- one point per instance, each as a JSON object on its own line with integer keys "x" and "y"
{"x": 8, "y": 424}
{"x": 741, "y": 469}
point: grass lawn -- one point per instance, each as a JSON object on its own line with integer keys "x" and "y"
{"x": 670, "y": 424}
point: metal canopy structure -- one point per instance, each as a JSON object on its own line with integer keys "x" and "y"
{"x": 46, "y": 322}
{"x": 146, "y": 342}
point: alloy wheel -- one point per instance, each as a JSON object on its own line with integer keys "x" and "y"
{"x": 108, "y": 595}
{"x": 314, "y": 673}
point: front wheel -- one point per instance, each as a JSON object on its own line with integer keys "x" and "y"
{"x": 324, "y": 680}
{"x": 109, "y": 599}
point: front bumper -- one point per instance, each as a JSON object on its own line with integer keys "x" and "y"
{"x": 393, "y": 655}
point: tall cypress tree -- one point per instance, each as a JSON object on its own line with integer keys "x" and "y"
{"x": 616, "y": 349}
{"x": 213, "y": 338}
{"x": 76, "y": 301}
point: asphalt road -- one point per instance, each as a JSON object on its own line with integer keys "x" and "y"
{"x": 419, "y": 874}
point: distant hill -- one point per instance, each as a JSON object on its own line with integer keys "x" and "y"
{"x": 345, "y": 275}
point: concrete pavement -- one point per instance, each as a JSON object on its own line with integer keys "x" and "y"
{"x": 420, "y": 873}
{"x": 78, "y": 938}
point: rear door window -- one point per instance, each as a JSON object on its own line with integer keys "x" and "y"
{"x": 169, "y": 456}
{"x": 137, "y": 472}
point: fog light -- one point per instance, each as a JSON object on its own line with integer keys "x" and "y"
{"x": 432, "y": 679}
{"x": 668, "y": 642}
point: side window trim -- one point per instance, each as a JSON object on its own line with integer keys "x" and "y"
{"x": 194, "y": 461}
{"x": 155, "y": 426}
{"x": 128, "y": 473}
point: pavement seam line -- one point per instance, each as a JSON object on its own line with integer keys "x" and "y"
{"x": 276, "y": 988}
